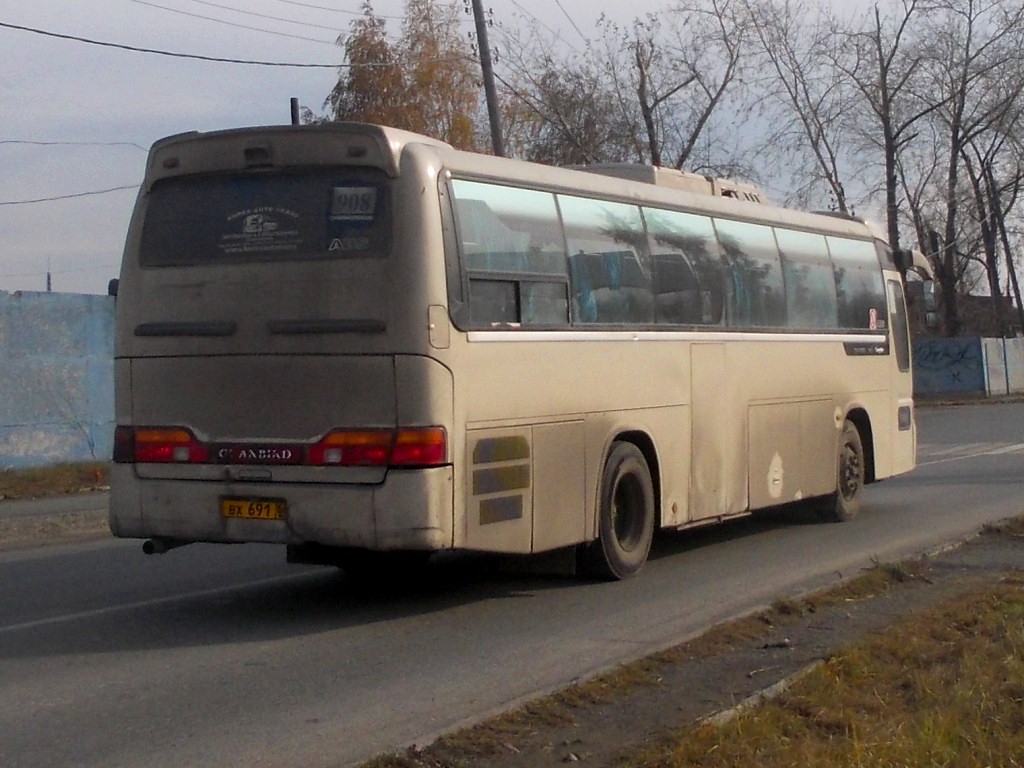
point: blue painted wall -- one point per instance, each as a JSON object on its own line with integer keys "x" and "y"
{"x": 56, "y": 378}
{"x": 948, "y": 366}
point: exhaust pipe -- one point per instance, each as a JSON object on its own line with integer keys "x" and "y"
{"x": 159, "y": 544}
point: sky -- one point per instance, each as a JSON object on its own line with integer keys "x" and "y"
{"x": 77, "y": 118}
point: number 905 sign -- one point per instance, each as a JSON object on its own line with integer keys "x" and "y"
{"x": 353, "y": 203}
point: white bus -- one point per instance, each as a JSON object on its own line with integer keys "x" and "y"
{"x": 350, "y": 339}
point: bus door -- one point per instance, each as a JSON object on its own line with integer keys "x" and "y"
{"x": 717, "y": 476}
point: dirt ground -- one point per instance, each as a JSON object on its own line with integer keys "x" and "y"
{"x": 732, "y": 666}
{"x": 51, "y": 530}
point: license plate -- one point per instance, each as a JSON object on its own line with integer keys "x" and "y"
{"x": 254, "y": 509}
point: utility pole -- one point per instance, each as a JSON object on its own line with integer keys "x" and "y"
{"x": 487, "y": 65}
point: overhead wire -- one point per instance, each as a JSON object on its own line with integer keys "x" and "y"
{"x": 566, "y": 14}
{"x": 68, "y": 197}
{"x": 233, "y": 24}
{"x": 556, "y": 35}
{"x": 195, "y": 56}
{"x": 158, "y": 52}
{"x": 74, "y": 143}
{"x": 349, "y": 13}
{"x": 257, "y": 15}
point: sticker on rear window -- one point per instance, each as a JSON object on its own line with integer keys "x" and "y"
{"x": 353, "y": 203}
{"x": 257, "y": 230}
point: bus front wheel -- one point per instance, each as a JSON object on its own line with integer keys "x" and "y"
{"x": 625, "y": 515}
{"x": 845, "y": 503}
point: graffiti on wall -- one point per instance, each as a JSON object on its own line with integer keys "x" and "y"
{"x": 948, "y": 366}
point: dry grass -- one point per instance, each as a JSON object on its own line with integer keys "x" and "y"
{"x": 493, "y": 737}
{"x": 57, "y": 480}
{"x": 945, "y": 689}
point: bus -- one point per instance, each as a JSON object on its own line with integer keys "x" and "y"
{"x": 357, "y": 341}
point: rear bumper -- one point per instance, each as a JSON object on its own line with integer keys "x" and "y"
{"x": 410, "y": 510}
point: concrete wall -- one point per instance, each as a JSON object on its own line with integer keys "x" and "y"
{"x": 1004, "y": 366}
{"x": 56, "y": 378}
{"x": 949, "y": 366}
{"x": 968, "y": 366}
{"x": 1015, "y": 364}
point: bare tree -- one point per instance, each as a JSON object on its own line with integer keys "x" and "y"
{"x": 560, "y": 109}
{"x": 810, "y": 92}
{"x": 882, "y": 60}
{"x": 646, "y": 93}
{"x": 678, "y": 68}
{"x": 974, "y": 71}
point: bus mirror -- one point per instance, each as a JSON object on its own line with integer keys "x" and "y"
{"x": 112, "y": 287}
{"x": 903, "y": 259}
{"x": 929, "y": 297}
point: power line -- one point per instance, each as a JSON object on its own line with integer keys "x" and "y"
{"x": 136, "y": 49}
{"x": 260, "y": 15}
{"x": 350, "y": 13}
{"x": 233, "y": 24}
{"x": 566, "y": 14}
{"x": 216, "y": 59}
{"x": 541, "y": 23}
{"x": 75, "y": 143}
{"x": 68, "y": 197}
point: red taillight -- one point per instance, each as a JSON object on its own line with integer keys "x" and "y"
{"x": 424, "y": 447}
{"x": 427, "y": 447}
{"x": 158, "y": 445}
{"x": 415, "y": 447}
{"x": 352, "y": 448}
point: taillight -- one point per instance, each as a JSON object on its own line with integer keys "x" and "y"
{"x": 421, "y": 447}
{"x": 426, "y": 447}
{"x": 348, "y": 448}
{"x": 414, "y": 447}
{"x": 158, "y": 445}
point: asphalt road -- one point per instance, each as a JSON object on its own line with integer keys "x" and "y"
{"x": 225, "y": 656}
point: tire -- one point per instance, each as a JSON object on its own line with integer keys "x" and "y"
{"x": 625, "y": 516}
{"x": 844, "y": 504}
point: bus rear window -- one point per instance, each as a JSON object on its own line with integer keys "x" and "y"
{"x": 199, "y": 220}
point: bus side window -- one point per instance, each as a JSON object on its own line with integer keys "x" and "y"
{"x": 513, "y": 255}
{"x": 755, "y": 270}
{"x": 898, "y": 321}
{"x": 859, "y": 287}
{"x": 809, "y": 280}
{"x": 609, "y": 263}
{"x": 689, "y": 280}
{"x": 493, "y": 302}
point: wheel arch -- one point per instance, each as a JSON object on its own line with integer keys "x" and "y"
{"x": 643, "y": 441}
{"x": 862, "y": 421}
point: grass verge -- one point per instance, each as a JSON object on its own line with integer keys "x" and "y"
{"x": 911, "y": 664}
{"x": 58, "y": 480}
{"x": 946, "y": 688}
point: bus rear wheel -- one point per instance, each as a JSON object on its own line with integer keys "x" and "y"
{"x": 625, "y": 515}
{"x": 845, "y": 503}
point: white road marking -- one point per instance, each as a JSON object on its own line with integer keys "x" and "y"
{"x": 148, "y": 603}
{"x": 968, "y": 451}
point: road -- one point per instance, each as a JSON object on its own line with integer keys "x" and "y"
{"x": 225, "y": 656}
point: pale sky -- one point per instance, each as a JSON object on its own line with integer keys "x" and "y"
{"x": 77, "y": 118}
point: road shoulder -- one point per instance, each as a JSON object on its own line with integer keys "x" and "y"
{"x": 600, "y": 721}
